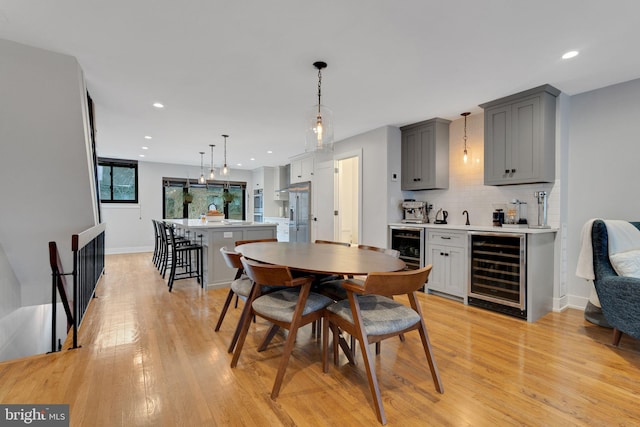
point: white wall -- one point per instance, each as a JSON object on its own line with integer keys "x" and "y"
{"x": 604, "y": 151}
{"x": 377, "y": 193}
{"x": 129, "y": 227}
{"x": 45, "y": 174}
{"x": 9, "y": 286}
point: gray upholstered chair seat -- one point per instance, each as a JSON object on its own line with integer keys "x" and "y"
{"x": 380, "y": 315}
{"x": 242, "y": 286}
{"x": 280, "y": 305}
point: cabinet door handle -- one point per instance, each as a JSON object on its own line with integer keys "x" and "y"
{"x": 506, "y": 171}
{"x": 446, "y": 254}
{"x": 445, "y": 237}
{"x": 441, "y": 253}
{"x": 513, "y": 171}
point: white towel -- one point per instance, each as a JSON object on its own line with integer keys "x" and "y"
{"x": 623, "y": 236}
{"x": 584, "y": 269}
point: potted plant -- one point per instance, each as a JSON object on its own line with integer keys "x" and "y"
{"x": 188, "y": 198}
{"x": 228, "y": 197}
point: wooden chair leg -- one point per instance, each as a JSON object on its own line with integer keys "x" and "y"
{"x": 325, "y": 345}
{"x": 373, "y": 380}
{"x": 225, "y": 307}
{"x": 284, "y": 361}
{"x": 236, "y": 333}
{"x": 429, "y": 353}
{"x": 617, "y": 335}
{"x": 243, "y": 326}
{"x": 291, "y": 339}
{"x": 336, "y": 341}
{"x": 268, "y": 337}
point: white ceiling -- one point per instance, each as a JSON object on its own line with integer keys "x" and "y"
{"x": 244, "y": 67}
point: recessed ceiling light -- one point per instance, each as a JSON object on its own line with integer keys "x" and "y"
{"x": 252, "y": 159}
{"x": 147, "y": 137}
{"x": 158, "y": 105}
{"x": 141, "y": 155}
{"x": 269, "y": 152}
{"x": 239, "y": 164}
{"x": 145, "y": 148}
{"x": 570, "y": 54}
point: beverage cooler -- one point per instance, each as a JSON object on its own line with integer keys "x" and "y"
{"x": 498, "y": 272}
{"x": 409, "y": 241}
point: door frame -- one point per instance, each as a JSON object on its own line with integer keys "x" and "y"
{"x": 343, "y": 156}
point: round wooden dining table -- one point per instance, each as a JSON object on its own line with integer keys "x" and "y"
{"x": 321, "y": 258}
{"x": 318, "y": 258}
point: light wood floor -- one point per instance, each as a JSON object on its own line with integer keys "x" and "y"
{"x": 151, "y": 358}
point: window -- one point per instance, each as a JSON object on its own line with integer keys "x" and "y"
{"x": 118, "y": 180}
{"x": 203, "y": 197}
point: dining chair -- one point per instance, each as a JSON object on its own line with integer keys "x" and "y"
{"x": 244, "y": 242}
{"x": 240, "y": 287}
{"x": 331, "y": 242}
{"x": 371, "y": 315}
{"x": 393, "y": 252}
{"x": 289, "y": 308}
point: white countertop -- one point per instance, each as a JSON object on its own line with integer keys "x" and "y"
{"x": 485, "y": 228}
{"x": 197, "y": 223}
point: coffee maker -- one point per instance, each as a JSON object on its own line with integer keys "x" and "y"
{"x": 415, "y": 212}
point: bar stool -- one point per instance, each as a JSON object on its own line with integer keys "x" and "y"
{"x": 164, "y": 260}
{"x": 184, "y": 255}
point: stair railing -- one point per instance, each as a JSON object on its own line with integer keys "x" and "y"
{"x": 88, "y": 267}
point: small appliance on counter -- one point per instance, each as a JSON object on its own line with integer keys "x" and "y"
{"x": 415, "y": 212}
{"x": 516, "y": 216}
{"x": 541, "y": 196}
{"x": 443, "y": 219}
{"x": 498, "y": 217}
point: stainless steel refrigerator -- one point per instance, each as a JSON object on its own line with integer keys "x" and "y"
{"x": 299, "y": 212}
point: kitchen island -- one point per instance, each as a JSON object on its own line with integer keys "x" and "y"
{"x": 216, "y": 235}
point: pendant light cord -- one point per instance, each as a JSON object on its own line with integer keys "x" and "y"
{"x": 319, "y": 88}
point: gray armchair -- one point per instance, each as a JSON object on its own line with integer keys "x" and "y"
{"x": 619, "y": 296}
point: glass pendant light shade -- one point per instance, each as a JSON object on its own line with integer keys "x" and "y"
{"x": 320, "y": 129}
{"x": 320, "y": 126}
{"x": 225, "y": 169}
{"x": 201, "y": 179}
{"x": 212, "y": 172}
{"x": 466, "y": 153}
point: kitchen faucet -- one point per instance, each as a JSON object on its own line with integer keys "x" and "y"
{"x": 465, "y": 212}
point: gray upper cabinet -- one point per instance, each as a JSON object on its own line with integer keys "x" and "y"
{"x": 519, "y": 137}
{"x": 425, "y": 155}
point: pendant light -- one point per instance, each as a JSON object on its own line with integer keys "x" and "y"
{"x": 465, "y": 136}
{"x": 225, "y": 169}
{"x": 320, "y": 129}
{"x": 212, "y": 172}
{"x": 201, "y": 180}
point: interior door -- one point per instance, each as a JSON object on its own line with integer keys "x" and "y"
{"x": 348, "y": 197}
{"x": 348, "y": 201}
{"x": 323, "y": 201}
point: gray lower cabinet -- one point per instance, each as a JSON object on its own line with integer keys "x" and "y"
{"x": 218, "y": 273}
{"x": 425, "y": 155}
{"x": 447, "y": 252}
{"x": 519, "y": 137}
